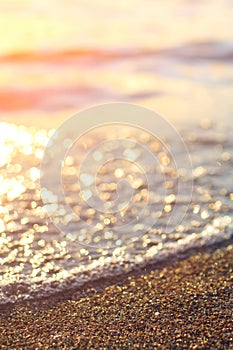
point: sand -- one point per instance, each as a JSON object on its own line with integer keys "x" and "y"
{"x": 187, "y": 305}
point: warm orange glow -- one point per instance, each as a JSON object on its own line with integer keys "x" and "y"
{"x": 57, "y": 58}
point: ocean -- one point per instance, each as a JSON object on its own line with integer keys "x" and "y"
{"x": 174, "y": 58}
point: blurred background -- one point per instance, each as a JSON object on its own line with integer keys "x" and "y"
{"x": 57, "y": 56}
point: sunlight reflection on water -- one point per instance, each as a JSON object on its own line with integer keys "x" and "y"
{"x": 174, "y": 57}
{"x": 36, "y": 259}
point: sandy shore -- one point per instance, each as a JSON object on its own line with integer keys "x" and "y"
{"x": 188, "y": 305}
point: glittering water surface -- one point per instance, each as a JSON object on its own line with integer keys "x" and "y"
{"x": 173, "y": 56}
{"x": 37, "y": 259}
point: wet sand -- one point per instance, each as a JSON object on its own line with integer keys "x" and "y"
{"x": 187, "y": 305}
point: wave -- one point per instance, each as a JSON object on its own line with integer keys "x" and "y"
{"x": 38, "y": 261}
{"x": 195, "y": 51}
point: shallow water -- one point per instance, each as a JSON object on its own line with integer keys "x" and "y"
{"x": 37, "y": 259}
{"x": 175, "y": 57}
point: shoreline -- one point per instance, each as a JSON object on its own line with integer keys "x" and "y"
{"x": 186, "y": 304}
{"x": 104, "y": 281}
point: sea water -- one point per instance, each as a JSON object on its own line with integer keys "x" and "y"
{"x": 173, "y": 57}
